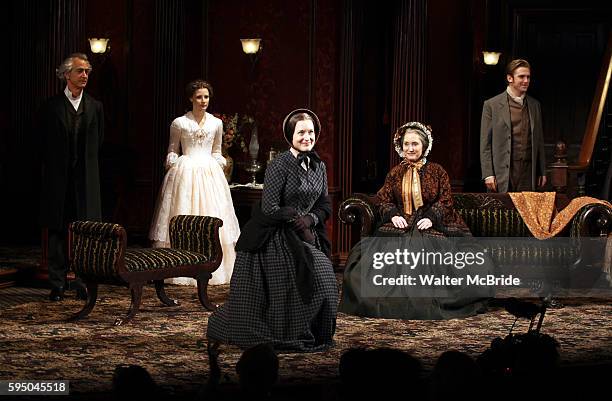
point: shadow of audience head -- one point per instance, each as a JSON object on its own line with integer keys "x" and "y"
{"x": 456, "y": 376}
{"x": 257, "y": 369}
{"x": 378, "y": 372}
{"x": 519, "y": 359}
{"x": 132, "y": 382}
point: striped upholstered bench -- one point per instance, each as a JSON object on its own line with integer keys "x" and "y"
{"x": 99, "y": 255}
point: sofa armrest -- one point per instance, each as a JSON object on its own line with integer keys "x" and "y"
{"x": 197, "y": 234}
{"x": 594, "y": 220}
{"x": 359, "y": 210}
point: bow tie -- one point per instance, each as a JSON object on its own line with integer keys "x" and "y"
{"x": 306, "y": 156}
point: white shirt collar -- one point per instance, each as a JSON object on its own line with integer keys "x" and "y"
{"x": 75, "y": 101}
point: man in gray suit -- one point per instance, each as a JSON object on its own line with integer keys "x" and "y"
{"x": 511, "y": 138}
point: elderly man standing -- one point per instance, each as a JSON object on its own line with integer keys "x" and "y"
{"x": 72, "y": 131}
{"x": 511, "y": 137}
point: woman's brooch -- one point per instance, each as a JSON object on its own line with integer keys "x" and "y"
{"x": 199, "y": 135}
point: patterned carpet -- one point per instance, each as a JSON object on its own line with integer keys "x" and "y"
{"x": 12, "y": 296}
{"x": 19, "y": 256}
{"x": 37, "y": 343}
{"x": 16, "y": 263}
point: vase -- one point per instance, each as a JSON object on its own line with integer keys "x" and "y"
{"x": 229, "y": 167}
{"x": 254, "y": 144}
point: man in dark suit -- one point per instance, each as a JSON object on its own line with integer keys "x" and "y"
{"x": 72, "y": 130}
{"x": 511, "y": 136}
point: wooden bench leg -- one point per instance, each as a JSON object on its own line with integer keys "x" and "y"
{"x": 92, "y": 296}
{"x": 161, "y": 294}
{"x": 136, "y": 291}
{"x": 203, "y": 291}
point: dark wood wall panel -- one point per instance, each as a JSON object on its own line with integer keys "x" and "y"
{"x": 204, "y": 32}
{"x": 409, "y": 66}
{"x": 324, "y": 81}
{"x": 449, "y": 68}
{"x": 325, "y": 31}
{"x": 41, "y": 35}
{"x": 109, "y": 79}
{"x": 168, "y": 93}
{"x": 65, "y": 36}
{"x": 568, "y": 45}
{"x": 279, "y": 81}
{"x": 346, "y": 109}
{"x": 22, "y": 103}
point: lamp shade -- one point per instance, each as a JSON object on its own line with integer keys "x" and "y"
{"x": 250, "y": 46}
{"x": 491, "y": 58}
{"x": 98, "y": 45}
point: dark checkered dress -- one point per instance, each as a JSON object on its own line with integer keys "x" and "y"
{"x": 264, "y": 305}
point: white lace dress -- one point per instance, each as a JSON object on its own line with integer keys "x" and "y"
{"x": 195, "y": 184}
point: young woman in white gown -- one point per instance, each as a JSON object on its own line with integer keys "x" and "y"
{"x": 194, "y": 183}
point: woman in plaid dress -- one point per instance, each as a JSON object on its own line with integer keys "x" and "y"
{"x": 283, "y": 290}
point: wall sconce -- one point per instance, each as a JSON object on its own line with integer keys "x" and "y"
{"x": 251, "y": 46}
{"x": 98, "y": 46}
{"x": 491, "y": 58}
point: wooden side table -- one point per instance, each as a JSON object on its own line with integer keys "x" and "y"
{"x": 244, "y": 199}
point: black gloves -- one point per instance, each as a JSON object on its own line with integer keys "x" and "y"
{"x": 302, "y": 225}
